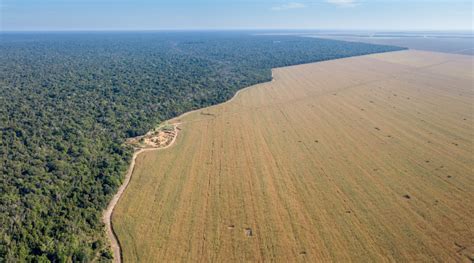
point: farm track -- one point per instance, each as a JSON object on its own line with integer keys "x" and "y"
{"x": 359, "y": 159}
{"x": 107, "y": 214}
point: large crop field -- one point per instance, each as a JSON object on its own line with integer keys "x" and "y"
{"x": 358, "y": 159}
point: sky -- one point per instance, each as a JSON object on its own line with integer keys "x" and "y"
{"x": 64, "y": 15}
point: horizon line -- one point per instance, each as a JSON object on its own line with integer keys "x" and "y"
{"x": 471, "y": 30}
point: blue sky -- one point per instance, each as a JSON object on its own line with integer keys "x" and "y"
{"x": 236, "y": 14}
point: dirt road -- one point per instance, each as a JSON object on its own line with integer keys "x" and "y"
{"x": 107, "y": 215}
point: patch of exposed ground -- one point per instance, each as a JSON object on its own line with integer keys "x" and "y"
{"x": 159, "y": 137}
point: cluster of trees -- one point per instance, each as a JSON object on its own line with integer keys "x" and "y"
{"x": 69, "y": 100}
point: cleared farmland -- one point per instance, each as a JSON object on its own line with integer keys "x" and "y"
{"x": 359, "y": 159}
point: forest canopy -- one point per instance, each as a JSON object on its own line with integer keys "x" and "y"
{"x": 68, "y": 101}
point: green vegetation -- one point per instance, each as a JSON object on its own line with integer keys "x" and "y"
{"x": 68, "y": 101}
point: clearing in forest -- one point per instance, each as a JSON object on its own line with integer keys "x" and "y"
{"x": 159, "y": 137}
{"x": 358, "y": 159}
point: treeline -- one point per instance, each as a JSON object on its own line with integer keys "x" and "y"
{"x": 69, "y": 100}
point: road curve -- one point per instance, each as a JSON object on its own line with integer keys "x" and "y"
{"x": 107, "y": 214}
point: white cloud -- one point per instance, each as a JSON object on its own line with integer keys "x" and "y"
{"x": 343, "y": 3}
{"x": 291, "y": 5}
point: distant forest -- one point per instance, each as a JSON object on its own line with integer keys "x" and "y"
{"x": 68, "y": 101}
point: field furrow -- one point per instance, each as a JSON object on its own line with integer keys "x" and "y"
{"x": 365, "y": 159}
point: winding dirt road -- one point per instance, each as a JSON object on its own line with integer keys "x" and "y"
{"x": 107, "y": 215}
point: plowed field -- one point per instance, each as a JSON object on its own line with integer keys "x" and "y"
{"x": 358, "y": 159}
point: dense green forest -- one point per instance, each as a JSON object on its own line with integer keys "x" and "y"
{"x": 69, "y": 100}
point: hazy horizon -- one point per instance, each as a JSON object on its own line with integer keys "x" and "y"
{"x": 186, "y": 15}
{"x": 275, "y": 30}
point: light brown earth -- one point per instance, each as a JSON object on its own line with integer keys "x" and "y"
{"x": 365, "y": 159}
{"x": 157, "y": 138}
